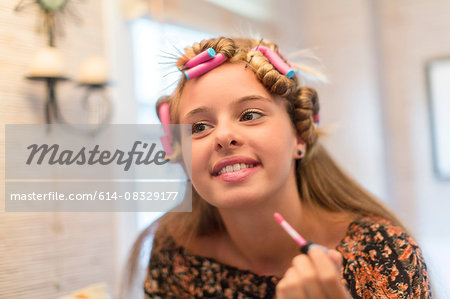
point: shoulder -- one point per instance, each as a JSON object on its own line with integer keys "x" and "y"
{"x": 382, "y": 258}
{"x": 175, "y": 271}
{"x": 166, "y": 260}
{"x": 367, "y": 232}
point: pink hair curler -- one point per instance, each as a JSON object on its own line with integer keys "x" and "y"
{"x": 205, "y": 67}
{"x": 166, "y": 143}
{"x": 206, "y": 55}
{"x": 165, "y": 121}
{"x": 276, "y": 60}
{"x": 316, "y": 118}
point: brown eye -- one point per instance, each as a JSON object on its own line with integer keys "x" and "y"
{"x": 199, "y": 127}
{"x": 251, "y": 115}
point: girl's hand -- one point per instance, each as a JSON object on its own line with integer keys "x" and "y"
{"x": 313, "y": 275}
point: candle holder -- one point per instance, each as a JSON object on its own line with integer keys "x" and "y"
{"x": 48, "y": 66}
{"x": 93, "y": 92}
{"x": 95, "y": 99}
{"x": 51, "y": 106}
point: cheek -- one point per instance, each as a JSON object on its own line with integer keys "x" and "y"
{"x": 279, "y": 155}
{"x": 200, "y": 158}
{"x": 279, "y": 140}
{"x": 187, "y": 154}
{"x": 200, "y": 176}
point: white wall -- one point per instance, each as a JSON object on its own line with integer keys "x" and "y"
{"x": 47, "y": 255}
{"x": 414, "y": 32}
{"x": 342, "y": 34}
{"x": 376, "y": 53}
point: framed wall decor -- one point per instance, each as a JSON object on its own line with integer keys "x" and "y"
{"x": 438, "y": 79}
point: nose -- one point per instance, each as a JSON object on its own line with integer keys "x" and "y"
{"x": 227, "y": 137}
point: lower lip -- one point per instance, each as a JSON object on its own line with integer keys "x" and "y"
{"x": 237, "y": 176}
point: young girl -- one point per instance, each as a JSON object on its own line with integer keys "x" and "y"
{"x": 255, "y": 151}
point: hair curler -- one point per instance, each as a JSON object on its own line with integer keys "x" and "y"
{"x": 166, "y": 140}
{"x": 205, "y": 66}
{"x": 276, "y": 61}
{"x": 206, "y": 55}
{"x": 316, "y": 118}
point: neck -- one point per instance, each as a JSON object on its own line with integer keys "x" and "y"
{"x": 261, "y": 245}
{"x": 258, "y": 240}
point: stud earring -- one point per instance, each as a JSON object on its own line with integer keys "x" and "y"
{"x": 299, "y": 152}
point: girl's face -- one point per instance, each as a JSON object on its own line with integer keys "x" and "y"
{"x": 243, "y": 143}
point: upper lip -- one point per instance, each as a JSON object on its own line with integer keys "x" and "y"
{"x": 231, "y": 161}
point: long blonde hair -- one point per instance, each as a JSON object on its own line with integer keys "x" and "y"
{"x": 321, "y": 182}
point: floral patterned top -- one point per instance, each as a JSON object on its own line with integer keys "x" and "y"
{"x": 379, "y": 261}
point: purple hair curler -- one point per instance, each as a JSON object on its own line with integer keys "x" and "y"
{"x": 276, "y": 60}
{"x": 206, "y": 55}
{"x": 205, "y": 67}
{"x": 165, "y": 120}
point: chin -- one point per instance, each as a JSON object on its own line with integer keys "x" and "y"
{"x": 234, "y": 201}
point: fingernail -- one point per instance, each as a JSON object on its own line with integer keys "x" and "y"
{"x": 313, "y": 246}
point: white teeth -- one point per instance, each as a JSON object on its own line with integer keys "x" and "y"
{"x": 234, "y": 167}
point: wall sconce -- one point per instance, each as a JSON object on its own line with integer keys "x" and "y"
{"x": 48, "y": 66}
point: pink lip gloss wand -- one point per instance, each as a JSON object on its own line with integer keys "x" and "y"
{"x": 304, "y": 245}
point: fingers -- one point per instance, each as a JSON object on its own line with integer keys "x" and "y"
{"x": 336, "y": 257}
{"x": 290, "y": 287}
{"x": 307, "y": 275}
{"x": 329, "y": 276}
{"x": 313, "y": 275}
{"x": 300, "y": 280}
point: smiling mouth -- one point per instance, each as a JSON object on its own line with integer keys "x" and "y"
{"x": 234, "y": 167}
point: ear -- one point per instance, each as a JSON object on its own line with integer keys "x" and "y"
{"x": 300, "y": 149}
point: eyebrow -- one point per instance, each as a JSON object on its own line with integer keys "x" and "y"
{"x": 252, "y": 97}
{"x": 204, "y": 109}
{"x": 198, "y": 110}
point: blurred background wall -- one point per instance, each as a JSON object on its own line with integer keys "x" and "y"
{"x": 375, "y": 106}
{"x": 47, "y": 255}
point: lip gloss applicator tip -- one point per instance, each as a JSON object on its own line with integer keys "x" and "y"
{"x": 304, "y": 245}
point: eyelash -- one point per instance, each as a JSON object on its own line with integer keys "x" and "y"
{"x": 251, "y": 111}
{"x": 196, "y": 125}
